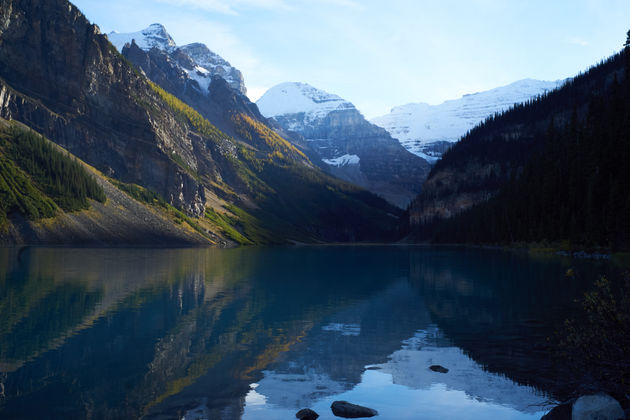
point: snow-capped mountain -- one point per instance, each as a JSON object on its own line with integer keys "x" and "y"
{"x": 153, "y": 36}
{"x": 306, "y": 103}
{"x": 196, "y": 61}
{"x": 428, "y": 130}
{"x": 341, "y": 141}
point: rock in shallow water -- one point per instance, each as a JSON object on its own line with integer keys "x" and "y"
{"x": 351, "y": 411}
{"x": 306, "y": 414}
{"x": 597, "y": 407}
{"x": 588, "y": 407}
{"x": 438, "y": 368}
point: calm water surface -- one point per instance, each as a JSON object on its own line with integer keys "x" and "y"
{"x": 261, "y": 333}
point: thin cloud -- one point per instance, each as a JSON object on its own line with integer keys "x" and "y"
{"x": 230, "y": 7}
{"x": 576, "y": 40}
{"x": 233, "y": 7}
{"x": 345, "y": 3}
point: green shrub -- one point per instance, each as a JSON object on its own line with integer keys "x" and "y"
{"x": 598, "y": 346}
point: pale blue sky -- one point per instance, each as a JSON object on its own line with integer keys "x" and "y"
{"x": 379, "y": 54}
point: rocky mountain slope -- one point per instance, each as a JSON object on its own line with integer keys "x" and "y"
{"x": 40, "y": 212}
{"x": 428, "y": 130}
{"x": 60, "y": 76}
{"x": 216, "y": 90}
{"x": 339, "y": 139}
{"x": 502, "y": 147}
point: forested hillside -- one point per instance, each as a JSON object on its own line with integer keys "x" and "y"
{"x": 38, "y": 180}
{"x": 575, "y": 188}
{"x": 497, "y": 150}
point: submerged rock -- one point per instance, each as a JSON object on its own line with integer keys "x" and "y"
{"x": 306, "y": 414}
{"x": 351, "y": 411}
{"x": 438, "y": 368}
{"x": 588, "y": 407}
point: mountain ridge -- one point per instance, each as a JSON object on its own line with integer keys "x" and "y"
{"x": 428, "y": 130}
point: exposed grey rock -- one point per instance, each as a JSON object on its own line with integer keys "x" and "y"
{"x": 438, "y": 368}
{"x": 306, "y": 414}
{"x": 351, "y": 411}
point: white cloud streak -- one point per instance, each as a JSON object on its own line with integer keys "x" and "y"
{"x": 576, "y": 40}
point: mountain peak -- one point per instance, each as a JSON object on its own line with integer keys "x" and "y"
{"x": 197, "y": 61}
{"x": 295, "y": 97}
{"x": 154, "y": 36}
{"x": 204, "y": 56}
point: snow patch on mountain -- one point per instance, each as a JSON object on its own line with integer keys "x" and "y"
{"x": 300, "y": 98}
{"x": 343, "y": 160}
{"x": 426, "y": 130}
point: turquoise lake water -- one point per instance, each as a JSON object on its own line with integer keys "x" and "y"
{"x": 257, "y": 333}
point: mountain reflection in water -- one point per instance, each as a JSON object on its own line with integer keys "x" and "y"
{"x": 260, "y": 333}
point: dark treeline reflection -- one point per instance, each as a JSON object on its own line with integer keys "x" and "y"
{"x": 503, "y": 309}
{"x": 126, "y": 333}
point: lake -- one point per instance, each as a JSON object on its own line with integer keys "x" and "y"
{"x": 257, "y": 333}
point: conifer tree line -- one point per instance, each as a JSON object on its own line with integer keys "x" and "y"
{"x": 575, "y": 188}
{"x": 36, "y": 179}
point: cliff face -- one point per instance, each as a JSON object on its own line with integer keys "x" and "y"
{"x": 60, "y": 76}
